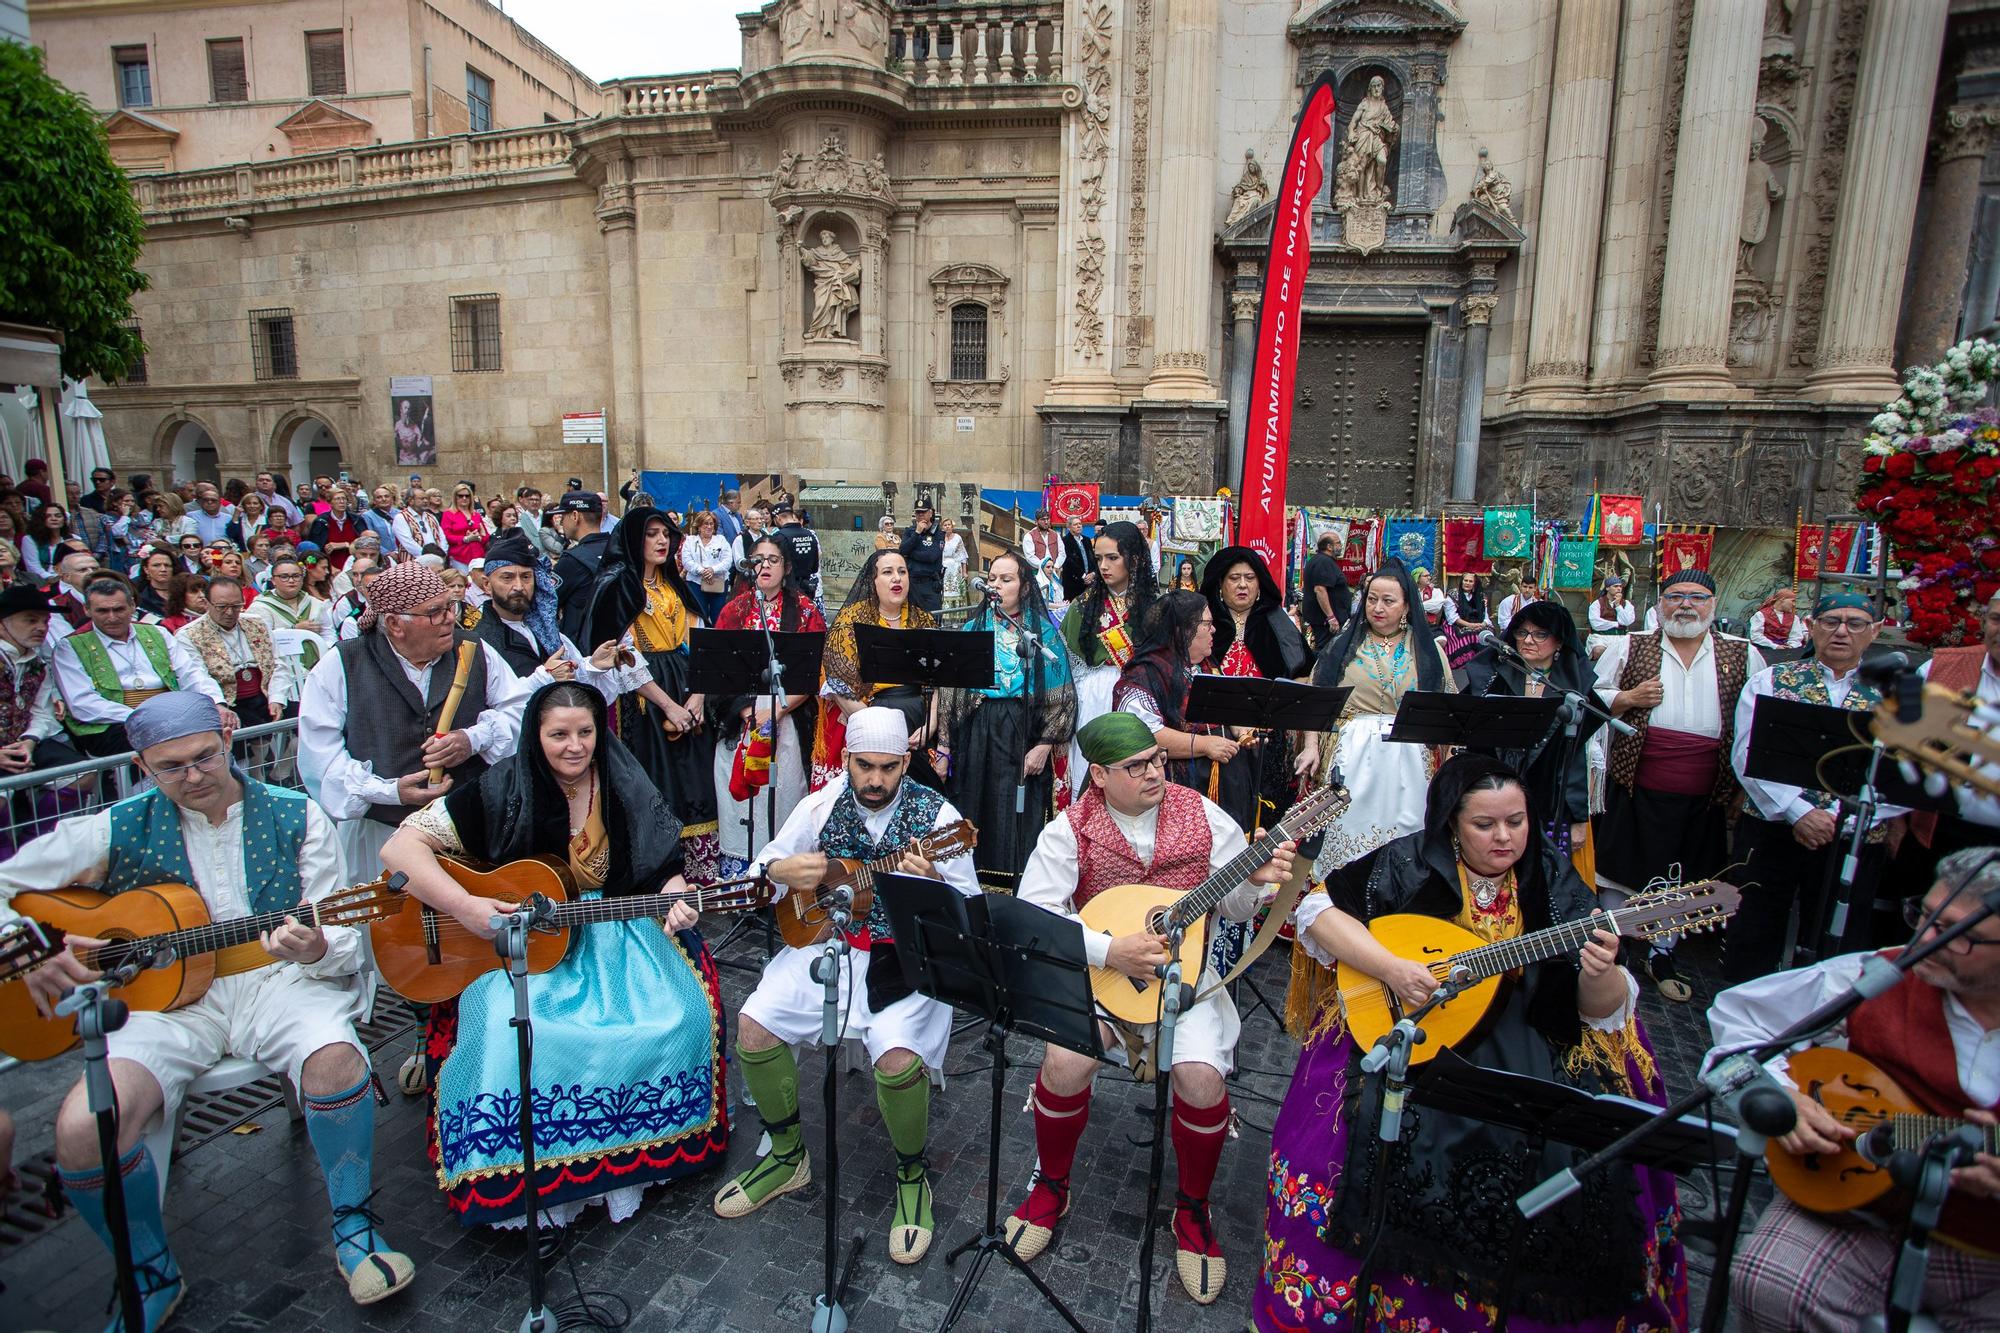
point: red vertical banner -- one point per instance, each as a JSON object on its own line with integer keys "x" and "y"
{"x": 1267, "y": 436}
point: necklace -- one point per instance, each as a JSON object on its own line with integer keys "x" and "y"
{"x": 570, "y": 790}
{"x": 1485, "y": 892}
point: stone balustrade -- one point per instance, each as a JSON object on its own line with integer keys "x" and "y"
{"x": 679, "y": 95}
{"x": 971, "y": 45}
{"x": 384, "y": 166}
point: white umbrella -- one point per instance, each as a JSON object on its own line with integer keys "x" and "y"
{"x": 13, "y": 441}
{"x": 84, "y": 449}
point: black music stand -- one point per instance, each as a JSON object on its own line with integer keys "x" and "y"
{"x": 1546, "y": 1112}
{"x": 1023, "y": 969}
{"x": 927, "y": 660}
{"x": 772, "y": 663}
{"x": 1475, "y": 721}
{"x": 1821, "y": 748}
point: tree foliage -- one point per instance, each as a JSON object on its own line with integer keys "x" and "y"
{"x": 72, "y": 231}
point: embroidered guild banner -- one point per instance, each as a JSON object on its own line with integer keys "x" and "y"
{"x": 1679, "y": 552}
{"x": 1622, "y": 520}
{"x": 1073, "y": 499}
{"x": 1575, "y": 564}
{"x": 1510, "y": 533}
{"x": 1464, "y": 549}
{"x": 1412, "y": 541}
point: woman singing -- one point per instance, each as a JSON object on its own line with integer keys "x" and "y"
{"x": 880, "y": 596}
{"x": 1383, "y": 654}
{"x": 1104, "y": 625}
{"x": 1445, "y": 1254}
{"x": 744, "y": 824}
{"x": 1004, "y": 741}
{"x": 628, "y": 1027}
{"x": 639, "y": 591}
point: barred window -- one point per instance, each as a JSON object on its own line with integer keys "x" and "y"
{"x": 135, "y": 75}
{"x": 478, "y": 100}
{"x": 968, "y": 341}
{"x": 136, "y": 372}
{"x": 228, "y": 79}
{"x": 274, "y": 353}
{"x": 326, "y": 64}
{"x": 475, "y": 332}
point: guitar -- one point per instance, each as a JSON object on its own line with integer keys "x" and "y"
{"x": 1130, "y": 908}
{"x": 428, "y": 956}
{"x": 803, "y": 916}
{"x": 1372, "y": 1009}
{"x": 1948, "y": 738}
{"x": 168, "y": 926}
{"x": 26, "y": 945}
{"x": 1864, "y": 1099}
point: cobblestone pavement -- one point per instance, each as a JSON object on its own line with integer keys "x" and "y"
{"x": 248, "y": 1214}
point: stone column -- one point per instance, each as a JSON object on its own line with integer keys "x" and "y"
{"x": 1092, "y": 158}
{"x": 1710, "y": 165}
{"x": 1954, "y": 202}
{"x": 1878, "y": 203}
{"x": 617, "y": 219}
{"x": 1471, "y": 395}
{"x": 1572, "y": 196}
{"x": 1187, "y": 204}
{"x": 1243, "y": 316}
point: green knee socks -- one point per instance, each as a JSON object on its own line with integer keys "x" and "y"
{"x": 772, "y": 1076}
{"x": 905, "y": 1102}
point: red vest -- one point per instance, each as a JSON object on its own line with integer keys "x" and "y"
{"x": 1104, "y": 859}
{"x": 1903, "y": 1034}
{"x": 1954, "y": 669}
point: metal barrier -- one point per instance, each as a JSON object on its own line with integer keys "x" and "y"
{"x": 35, "y": 802}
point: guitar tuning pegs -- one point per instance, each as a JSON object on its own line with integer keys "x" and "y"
{"x": 1936, "y": 784}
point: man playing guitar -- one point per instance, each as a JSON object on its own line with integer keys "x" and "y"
{"x": 1936, "y": 1035}
{"x": 1133, "y": 826}
{"x": 869, "y": 815}
{"x": 247, "y": 848}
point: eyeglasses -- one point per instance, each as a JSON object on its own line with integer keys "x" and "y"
{"x": 1835, "y": 624}
{"x": 1915, "y": 914}
{"x": 1139, "y": 768}
{"x": 1688, "y": 598}
{"x": 1533, "y": 635}
{"x": 437, "y": 617}
{"x": 762, "y": 560}
{"x": 208, "y": 763}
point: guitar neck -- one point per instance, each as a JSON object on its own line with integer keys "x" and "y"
{"x": 1505, "y": 956}
{"x": 211, "y": 938}
{"x": 1205, "y": 897}
{"x": 1909, "y": 1133}
{"x": 628, "y": 907}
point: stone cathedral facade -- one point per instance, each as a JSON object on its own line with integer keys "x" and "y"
{"x": 1673, "y": 247}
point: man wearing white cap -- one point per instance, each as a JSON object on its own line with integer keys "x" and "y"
{"x": 247, "y": 848}
{"x": 868, "y": 814}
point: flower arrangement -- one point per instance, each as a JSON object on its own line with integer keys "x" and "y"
{"x": 1930, "y": 475}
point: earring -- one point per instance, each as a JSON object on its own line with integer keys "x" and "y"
{"x": 1455, "y": 852}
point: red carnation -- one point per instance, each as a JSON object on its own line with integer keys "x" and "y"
{"x": 1900, "y": 465}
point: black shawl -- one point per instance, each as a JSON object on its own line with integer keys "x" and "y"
{"x": 1273, "y": 640}
{"x": 1555, "y": 793}
{"x": 618, "y": 591}
{"x": 516, "y": 809}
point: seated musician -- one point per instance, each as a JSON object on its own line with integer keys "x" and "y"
{"x": 1936, "y": 1034}
{"x": 628, "y": 1027}
{"x": 1606, "y": 1258}
{"x": 1132, "y": 826}
{"x": 247, "y": 848}
{"x": 869, "y": 813}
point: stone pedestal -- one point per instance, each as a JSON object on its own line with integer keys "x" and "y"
{"x": 1180, "y": 445}
{"x": 1089, "y": 443}
{"x": 1710, "y": 166}
{"x": 1878, "y": 204}
{"x": 1954, "y": 202}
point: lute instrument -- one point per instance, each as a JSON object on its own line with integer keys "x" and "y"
{"x": 1865, "y": 1100}
{"x": 166, "y": 926}
{"x": 805, "y": 916}
{"x": 1130, "y": 908}
{"x": 428, "y": 956}
{"x": 1372, "y": 1009}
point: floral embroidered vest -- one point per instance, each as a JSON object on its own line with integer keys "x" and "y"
{"x": 1104, "y": 859}
{"x": 1803, "y": 682}
{"x": 845, "y": 835}
{"x": 17, "y": 704}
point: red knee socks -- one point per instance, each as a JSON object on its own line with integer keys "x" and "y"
{"x": 1059, "y": 1125}
{"x": 1198, "y": 1134}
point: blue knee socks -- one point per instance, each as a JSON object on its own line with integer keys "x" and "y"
{"x": 143, "y": 1220}
{"x": 342, "y": 1128}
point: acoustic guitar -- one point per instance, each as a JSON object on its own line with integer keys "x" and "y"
{"x": 1372, "y": 1009}
{"x": 1864, "y": 1099}
{"x": 25, "y": 945}
{"x": 428, "y": 956}
{"x": 804, "y": 916}
{"x": 167, "y": 926}
{"x": 1130, "y": 908}
{"x": 1955, "y": 735}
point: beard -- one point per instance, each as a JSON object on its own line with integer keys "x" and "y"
{"x": 515, "y": 604}
{"x": 1677, "y": 628}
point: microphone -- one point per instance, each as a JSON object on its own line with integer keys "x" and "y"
{"x": 1885, "y": 668}
{"x": 1488, "y": 639}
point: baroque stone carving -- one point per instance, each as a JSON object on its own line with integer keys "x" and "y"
{"x": 851, "y": 27}
{"x": 1761, "y": 187}
{"x": 836, "y": 289}
{"x": 1243, "y": 306}
{"x": 1491, "y": 190}
{"x": 1139, "y": 68}
{"x": 1249, "y": 190}
{"x": 1361, "y": 192}
{"x": 1692, "y": 487}
{"x": 1967, "y": 131}
{"x": 1842, "y": 71}
{"x": 1181, "y": 465}
{"x": 1479, "y": 308}
{"x": 1656, "y": 256}
{"x": 830, "y": 171}
{"x": 1753, "y": 318}
{"x": 831, "y": 377}
{"x": 1094, "y": 39}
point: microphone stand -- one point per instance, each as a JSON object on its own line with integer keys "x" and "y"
{"x": 1174, "y": 996}
{"x": 1933, "y": 1181}
{"x": 828, "y": 1316}
{"x": 98, "y": 1015}
{"x": 511, "y": 943}
{"x": 1836, "y": 900}
{"x": 1728, "y": 1076}
{"x": 1390, "y": 1057}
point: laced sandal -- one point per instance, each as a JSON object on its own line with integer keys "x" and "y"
{"x": 160, "y": 1294}
{"x": 1660, "y": 966}
{"x": 379, "y": 1273}
{"x": 790, "y": 1170}
{"x": 1027, "y": 1237}
{"x": 1202, "y": 1270}
{"x": 910, "y": 1232}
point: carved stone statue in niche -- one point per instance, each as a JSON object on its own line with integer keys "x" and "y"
{"x": 836, "y": 289}
{"x": 1778, "y": 15}
{"x": 1249, "y": 191}
{"x": 1760, "y": 187}
{"x": 1364, "y": 151}
{"x": 1492, "y": 191}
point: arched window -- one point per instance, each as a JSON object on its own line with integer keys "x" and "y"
{"x": 968, "y": 341}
